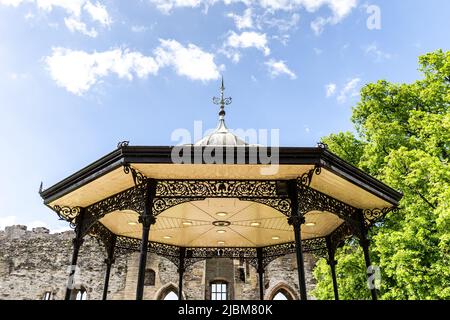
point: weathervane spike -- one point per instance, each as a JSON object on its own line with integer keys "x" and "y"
{"x": 222, "y": 101}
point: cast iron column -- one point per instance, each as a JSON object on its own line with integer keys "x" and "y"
{"x": 332, "y": 263}
{"x": 364, "y": 242}
{"x": 260, "y": 273}
{"x": 181, "y": 270}
{"x": 146, "y": 219}
{"x": 109, "y": 261}
{"x": 296, "y": 220}
{"x": 77, "y": 242}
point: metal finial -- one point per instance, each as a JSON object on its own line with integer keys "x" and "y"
{"x": 222, "y": 101}
{"x": 123, "y": 144}
{"x": 41, "y": 187}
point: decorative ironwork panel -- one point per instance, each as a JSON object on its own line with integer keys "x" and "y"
{"x": 216, "y": 189}
{"x": 271, "y": 253}
{"x": 167, "y": 251}
{"x": 170, "y": 252}
{"x": 130, "y": 199}
{"x": 313, "y": 200}
{"x": 102, "y": 234}
{"x": 126, "y": 244}
{"x": 194, "y": 255}
{"x": 316, "y": 246}
{"x": 343, "y": 232}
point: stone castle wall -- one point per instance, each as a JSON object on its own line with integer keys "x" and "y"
{"x": 34, "y": 262}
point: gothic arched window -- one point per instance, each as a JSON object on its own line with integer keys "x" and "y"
{"x": 81, "y": 294}
{"x": 171, "y": 295}
{"x": 282, "y": 295}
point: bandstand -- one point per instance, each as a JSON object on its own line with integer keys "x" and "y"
{"x": 138, "y": 198}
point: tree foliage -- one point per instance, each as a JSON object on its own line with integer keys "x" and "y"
{"x": 402, "y": 138}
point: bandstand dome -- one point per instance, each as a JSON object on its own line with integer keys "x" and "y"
{"x": 199, "y": 208}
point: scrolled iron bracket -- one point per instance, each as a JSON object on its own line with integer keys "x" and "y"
{"x": 371, "y": 216}
{"x": 138, "y": 177}
{"x": 306, "y": 178}
{"x": 68, "y": 214}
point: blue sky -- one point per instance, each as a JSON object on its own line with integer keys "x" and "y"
{"x": 78, "y": 76}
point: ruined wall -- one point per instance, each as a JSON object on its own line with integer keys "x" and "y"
{"x": 34, "y": 262}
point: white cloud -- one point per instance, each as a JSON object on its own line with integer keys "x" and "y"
{"x": 7, "y": 221}
{"x": 350, "y": 90}
{"x": 13, "y": 3}
{"x": 242, "y": 22}
{"x": 73, "y": 9}
{"x": 284, "y": 39}
{"x": 166, "y": 6}
{"x": 330, "y": 89}
{"x": 318, "y": 25}
{"x": 339, "y": 8}
{"x": 98, "y": 13}
{"x": 75, "y": 25}
{"x": 283, "y": 24}
{"x": 247, "y": 39}
{"x": 78, "y": 71}
{"x": 375, "y": 52}
{"x": 277, "y": 68}
{"x": 190, "y": 61}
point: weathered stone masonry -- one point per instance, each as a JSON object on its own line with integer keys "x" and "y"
{"x": 35, "y": 262}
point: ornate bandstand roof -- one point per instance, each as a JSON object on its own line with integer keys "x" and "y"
{"x": 232, "y": 204}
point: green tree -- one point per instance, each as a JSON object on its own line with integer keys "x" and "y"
{"x": 402, "y": 138}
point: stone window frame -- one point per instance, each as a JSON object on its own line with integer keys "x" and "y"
{"x": 226, "y": 292}
{"x": 150, "y": 274}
